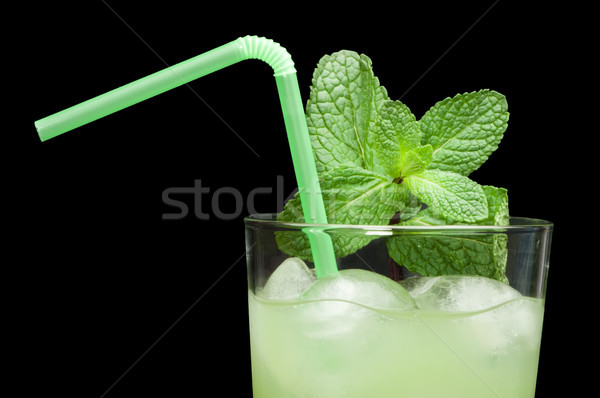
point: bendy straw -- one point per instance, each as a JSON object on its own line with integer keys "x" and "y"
{"x": 243, "y": 48}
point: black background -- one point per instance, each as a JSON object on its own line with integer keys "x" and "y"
{"x": 103, "y": 277}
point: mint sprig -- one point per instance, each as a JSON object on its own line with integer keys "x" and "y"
{"x": 376, "y": 161}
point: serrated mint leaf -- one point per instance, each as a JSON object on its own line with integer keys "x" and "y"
{"x": 447, "y": 254}
{"x": 498, "y": 215}
{"x": 464, "y": 130}
{"x": 343, "y": 100}
{"x": 449, "y": 194}
{"x": 481, "y": 254}
{"x": 497, "y": 199}
{"x": 394, "y": 133}
{"x": 351, "y": 195}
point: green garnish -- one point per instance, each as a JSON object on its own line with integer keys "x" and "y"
{"x": 376, "y": 162}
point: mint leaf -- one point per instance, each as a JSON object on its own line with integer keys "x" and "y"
{"x": 352, "y": 195}
{"x": 498, "y": 215}
{"x": 464, "y": 130}
{"x": 342, "y": 106}
{"x": 394, "y": 134}
{"x": 445, "y": 255}
{"x": 449, "y": 194}
{"x": 481, "y": 254}
{"x": 497, "y": 199}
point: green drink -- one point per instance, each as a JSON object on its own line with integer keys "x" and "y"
{"x": 361, "y": 334}
{"x": 418, "y": 283}
{"x": 466, "y": 354}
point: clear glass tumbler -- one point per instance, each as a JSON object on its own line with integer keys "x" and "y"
{"x": 406, "y": 316}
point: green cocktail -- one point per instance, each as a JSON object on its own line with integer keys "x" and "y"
{"x": 361, "y": 334}
{"x": 438, "y": 292}
{"x": 381, "y": 193}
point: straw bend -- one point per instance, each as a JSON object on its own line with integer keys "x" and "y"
{"x": 254, "y": 47}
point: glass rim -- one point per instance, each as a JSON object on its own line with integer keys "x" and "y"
{"x": 517, "y": 224}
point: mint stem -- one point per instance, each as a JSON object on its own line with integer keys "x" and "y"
{"x": 396, "y": 273}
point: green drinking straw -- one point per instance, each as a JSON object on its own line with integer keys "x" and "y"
{"x": 248, "y": 47}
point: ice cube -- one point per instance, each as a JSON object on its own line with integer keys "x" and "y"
{"x": 417, "y": 285}
{"x": 291, "y": 278}
{"x": 498, "y": 317}
{"x": 349, "y": 304}
{"x": 361, "y": 287}
{"x": 459, "y": 293}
